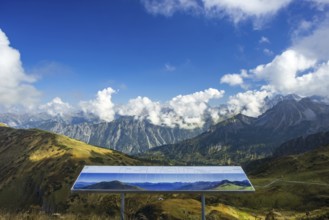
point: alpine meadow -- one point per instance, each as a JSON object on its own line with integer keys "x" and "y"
{"x": 203, "y": 86}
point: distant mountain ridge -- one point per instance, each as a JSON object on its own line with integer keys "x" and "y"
{"x": 175, "y": 186}
{"x": 242, "y": 138}
{"x": 288, "y": 117}
{"x": 125, "y": 134}
{"x": 114, "y": 185}
{"x": 302, "y": 144}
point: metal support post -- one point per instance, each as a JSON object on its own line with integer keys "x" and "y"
{"x": 203, "y": 207}
{"x": 122, "y": 208}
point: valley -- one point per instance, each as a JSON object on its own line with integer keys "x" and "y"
{"x": 44, "y": 166}
{"x": 286, "y": 160}
{"x": 170, "y": 109}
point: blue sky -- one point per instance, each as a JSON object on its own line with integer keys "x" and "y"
{"x": 99, "y": 56}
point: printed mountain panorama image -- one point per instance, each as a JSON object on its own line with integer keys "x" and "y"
{"x": 224, "y": 185}
{"x": 168, "y": 179}
{"x": 164, "y": 84}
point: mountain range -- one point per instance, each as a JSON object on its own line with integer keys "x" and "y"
{"x": 236, "y": 140}
{"x": 133, "y": 135}
{"x": 113, "y": 185}
{"x": 302, "y": 144}
{"x": 242, "y": 138}
{"x": 225, "y": 185}
{"x": 126, "y": 134}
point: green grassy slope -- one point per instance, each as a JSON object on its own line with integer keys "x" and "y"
{"x": 189, "y": 209}
{"x": 292, "y": 183}
{"x": 37, "y": 169}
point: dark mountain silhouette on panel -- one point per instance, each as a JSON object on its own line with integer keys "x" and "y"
{"x": 115, "y": 185}
{"x": 157, "y": 186}
{"x": 214, "y": 185}
{"x": 180, "y": 186}
{"x": 242, "y": 138}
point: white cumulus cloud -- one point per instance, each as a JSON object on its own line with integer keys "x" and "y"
{"x": 282, "y": 72}
{"x": 315, "y": 45}
{"x": 142, "y": 107}
{"x": 16, "y": 87}
{"x": 232, "y": 79}
{"x": 185, "y": 111}
{"x": 303, "y": 27}
{"x": 250, "y": 103}
{"x": 236, "y": 10}
{"x": 239, "y": 10}
{"x": 315, "y": 82}
{"x": 302, "y": 69}
{"x": 56, "y": 107}
{"x": 191, "y": 109}
{"x": 102, "y": 106}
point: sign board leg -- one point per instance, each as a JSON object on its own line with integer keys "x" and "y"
{"x": 203, "y": 207}
{"x": 122, "y": 208}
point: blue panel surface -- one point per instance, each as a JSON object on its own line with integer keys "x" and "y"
{"x": 162, "y": 179}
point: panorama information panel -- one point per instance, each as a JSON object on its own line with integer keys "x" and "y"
{"x": 162, "y": 179}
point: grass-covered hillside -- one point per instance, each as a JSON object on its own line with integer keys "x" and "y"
{"x": 37, "y": 170}
{"x": 288, "y": 187}
{"x": 295, "y": 183}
